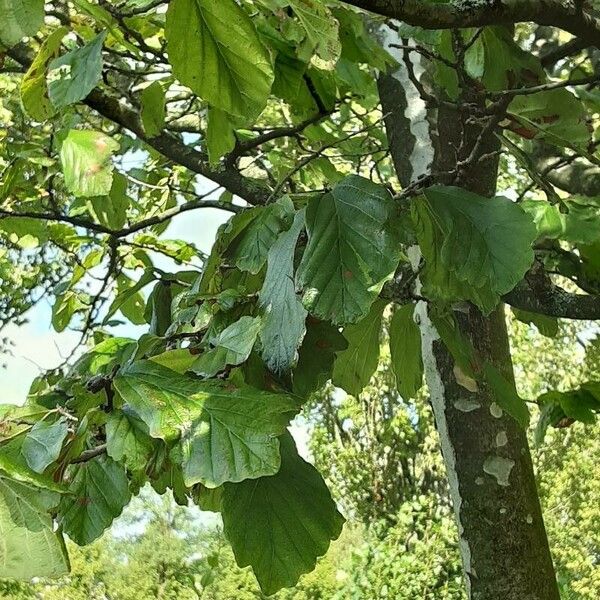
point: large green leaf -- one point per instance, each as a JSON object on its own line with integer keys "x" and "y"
{"x": 34, "y": 89}
{"x": 111, "y": 210}
{"x": 352, "y": 249}
{"x": 18, "y": 19}
{"x": 231, "y": 347}
{"x": 475, "y": 248}
{"x": 215, "y": 50}
{"x": 355, "y": 365}
{"x": 74, "y": 75}
{"x": 284, "y": 321}
{"x": 30, "y": 547}
{"x": 42, "y": 445}
{"x": 405, "y": 352}
{"x": 281, "y": 524}
{"x": 556, "y": 115}
{"x": 86, "y": 162}
{"x": 128, "y": 440}
{"x": 229, "y": 433}
{"x": 97, "y": 495}
{"x": 220, "y": 135}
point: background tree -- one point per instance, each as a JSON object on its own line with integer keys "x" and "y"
{"x": 364, "y": 151}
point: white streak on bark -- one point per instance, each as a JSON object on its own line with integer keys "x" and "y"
{"x": 437, "y": 396}
{"x": 421, "y": 158}
{"x": 422, "y": 153}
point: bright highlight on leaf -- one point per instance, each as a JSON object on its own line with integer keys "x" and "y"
{"x": 228, "y": 433}
{"x": 215, "y": 50}
{"x": 86, "y": 162}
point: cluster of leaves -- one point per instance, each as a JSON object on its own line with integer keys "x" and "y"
{"x": 297, "y": 287}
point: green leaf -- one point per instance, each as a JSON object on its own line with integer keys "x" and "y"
{"x": 284, "y": 320}
{"x": 255, "y": 232}
{"x": 43, "y": 443}
{"x": 30, "y": 547}
{"x": 153, "y": 109}
{"x": 34, "y": 90}
{"x": 130, "y": 300}
{"x": 556, "y": 115}
{"x": 215, "y": 51}
{"x": 178, "y": 360}
{"x": 63, "y": 309}
{"x": 86, "y": 162}
{"x": 506, "y": 395}
{"x": 547, "y": 326}
{"x": 321, "y": 30}
{"x": 111, "y": 210}
{"x": 352, "y": 250}
{"x": 580, "y": 404}
{"x": 74, "y": 75}
{"x": 99, "y": 490}
{"x": 229, "y": 433}
{"x": 125, "y": 294}
{"x": 316, "y": 356}
{"x": 20, "y": 18}
{"x": 208, "y": 499}
{"x": 358, "y": 45}
{"x": 128, "y": 440}
{"x": 405, "y": 351}
{"x": 280, "y": 525}
{"x": 220, "y": 135}
{"x": 577, "y": 222}
{"x": 354, "y": 366}
{"x": 231, "y": 347}
{"x": 475, "y": 248}
{"x": 15, "y": 468}
{"x": 456, "y": 342}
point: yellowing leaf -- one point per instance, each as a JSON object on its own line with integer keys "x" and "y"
{"x": 86, "y": 162}
{"x": 34, "y": 91}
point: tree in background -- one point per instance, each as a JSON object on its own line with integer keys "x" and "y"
{"x": 364, "y": 142}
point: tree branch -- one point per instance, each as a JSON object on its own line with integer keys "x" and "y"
{"x": 125, "y": 231}
{"x": 478, "y": 13}
{"x": 553, "y": 301}
{"x": 89, "y": 454}
{"x": 167, "y": 144}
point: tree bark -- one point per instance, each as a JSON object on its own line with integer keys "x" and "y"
{"x": 502, "y": 539}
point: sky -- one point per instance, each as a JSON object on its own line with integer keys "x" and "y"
{"x": 38, "y": 347}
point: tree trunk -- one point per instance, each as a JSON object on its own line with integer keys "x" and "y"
{"x": 502, "y": 539}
